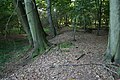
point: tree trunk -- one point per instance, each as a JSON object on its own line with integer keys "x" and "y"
{"x": 96, "y": 12}
{"x": 99, "y": 17}
{"x": 38, "y": 36}
{"x": 53, "y": 30}
{"x": 113, "y": 48}
{"x": 74, "y": 28}
{"x": 66, "y": 20}
{"x": 23, "y": 18}
{"x": 84, "y": 23}
{"x": 56, "y": 20}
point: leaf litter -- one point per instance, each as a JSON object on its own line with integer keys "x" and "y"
{"x": 80, "y": 61}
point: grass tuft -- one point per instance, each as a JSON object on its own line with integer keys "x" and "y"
{"x": 66, "y": 45}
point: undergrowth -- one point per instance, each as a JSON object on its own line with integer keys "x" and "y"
{"x": 66, "y": 45}
{"x": 11, "y": 49}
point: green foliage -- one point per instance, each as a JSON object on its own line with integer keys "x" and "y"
{"x": 6, "y": 10}
{"x": 46, "y": 29}
{"x": 10, "y": 49}
{"x": 87, "y": 10}
{"x": 66, "y": 45}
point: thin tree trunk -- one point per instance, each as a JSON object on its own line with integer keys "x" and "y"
{"x": 66, "y": 20}
{"x": 74, "y": 29}
{"x": 99, "y": 20}
{"x": 56, "y": 20}
{"x": 96, "y": 14}
{"x": 85, "y": 26}
{"x": 53, "y": 30}
{"x": 23, "y": 18}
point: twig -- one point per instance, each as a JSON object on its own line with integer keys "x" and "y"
{"x": 80, "y": 56}
{"x": 6, "y": 27}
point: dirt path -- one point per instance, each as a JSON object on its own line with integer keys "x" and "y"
{"x": 82, "y": 61}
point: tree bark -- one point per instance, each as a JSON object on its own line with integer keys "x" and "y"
{"x": 38, "y": 36}
{"x": 53, "y": 30}
{"x": 23, "y": 18}
{"x": 56, "y": 20}
{"x": 99, "y": 17}
{"x": 113, "y": 48}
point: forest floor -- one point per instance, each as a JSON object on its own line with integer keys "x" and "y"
{"x": 69, "y": 60}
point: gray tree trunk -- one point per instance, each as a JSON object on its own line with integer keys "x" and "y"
{"x": 113, "y": 49}
{"x": 23, "y": 18}
{"x": 38, "y": 36}
{"x": 56, "y": 21}
{"x": 99, "y": 17}
{"x": 53, "y": 30}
